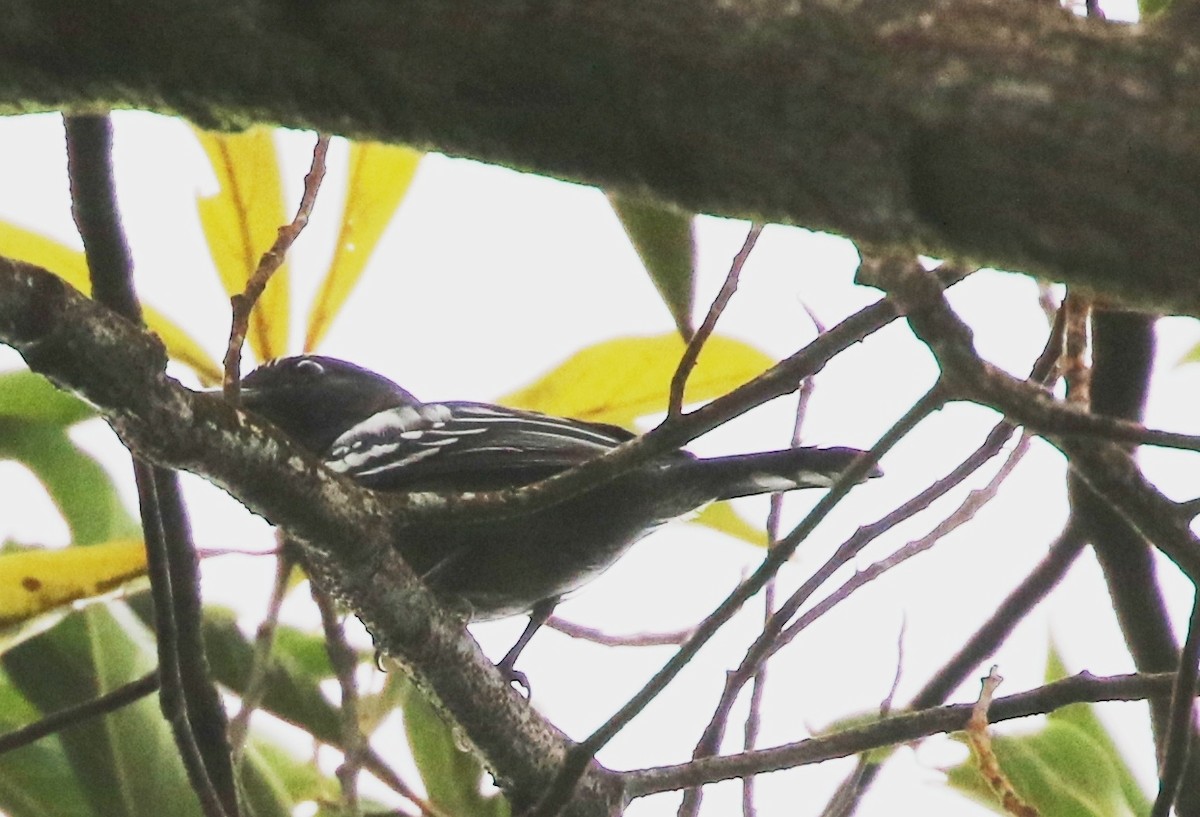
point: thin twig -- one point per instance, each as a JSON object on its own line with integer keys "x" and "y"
{"x": 899, "y": 728}
{"x": 985, "y": 758}
{"x": 188, "y": 697}
{"x": 270, "y": 262}
{"x": 582, "y": 753}
{"x": 982, "y": 644}
{"x": 574, "y": 630}
{"x": 774, "y": 520}
{"x": 1107, "y": 469}
{"x": 260, "y": 661}
{"x": 762, "y": 648}
{"x": 753, "y": 722}
{"x": 65, "y": 718}
{"x": 172, "y": 698}
{"x": 1075, "y": 365}
{"x": 974, "y": 502}
{"x": 692, "y": 353}
{"x": 345, "y": 664}
{"x": 1178, "y": 740}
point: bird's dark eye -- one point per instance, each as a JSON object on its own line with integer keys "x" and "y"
{"x": 309, "y": 368}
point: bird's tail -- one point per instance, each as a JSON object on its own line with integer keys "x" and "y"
{"x": 771, "y": 471}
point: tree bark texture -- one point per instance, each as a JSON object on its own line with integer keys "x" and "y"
{"x": 1005, "y": 133}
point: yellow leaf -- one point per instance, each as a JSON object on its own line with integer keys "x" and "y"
{"x": 241, "y": 222}
{"x": 66, "y": 262}
{"x": 722, "y": 517}
{"x": 618, "y": 381}
{"x": 71, "y": 265}
{"x": 182, "y": 347}
{"x": 379, "y": 178}
{"x": 35, "y": 583}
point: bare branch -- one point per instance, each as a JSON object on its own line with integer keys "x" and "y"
{"x": 188, "y": 696}
{"x": 119, "y": 368}
{"x": 109, "y": 702}
{"x": 609, "y": 640}
{"x": 1107, "y": 468}
{"x": 1180, "y": 735}
{"x": 344, "y": 661}
{"x": 264, "y": 641}
{"x": 696, "y": 343}
{"x": 985, "y": 758}
{"x": 268, "y": 265}
{"x": 898, "y": 728}
{"x": 948, "y": 126}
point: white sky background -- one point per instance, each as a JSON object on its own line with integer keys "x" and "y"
{"x": 486, "y": 279}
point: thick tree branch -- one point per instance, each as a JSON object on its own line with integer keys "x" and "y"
{"x": 1106, "y": 467}
{"x": 1123, "y": 346}
{"x": 120, "y": 369}
{"x": 347, "y": 530}
{"x": 1010, "y": 133}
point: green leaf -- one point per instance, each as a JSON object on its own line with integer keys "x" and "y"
{"x": 665, "y": 239}
{"x": 78, "y": 485}
{"x": 1083, "y": 717}
{"x": 1190, "y": 356}
{"x": 275, "y": 781}
{"x": 125, "y": 764}
{"x": 452, "y": 775}
{"x": 36, "y": 780}
{"x": 28, "y": 396}
{"x": 1069, "y": 768}
{"x": 1150, "y": 8}
{"x": 1059, "y": 770}
{"x": 298, "y": 665}
{"x": 34, "y": 417}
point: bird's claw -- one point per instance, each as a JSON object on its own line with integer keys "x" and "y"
{"x": 515, "y": 676}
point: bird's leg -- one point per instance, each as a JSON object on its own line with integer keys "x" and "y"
{"x": 538, "y": 616}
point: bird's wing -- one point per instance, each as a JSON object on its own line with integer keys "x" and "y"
{"x": 465, "y": 446}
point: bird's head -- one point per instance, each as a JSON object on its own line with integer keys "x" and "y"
{"x": 315, "y": 399}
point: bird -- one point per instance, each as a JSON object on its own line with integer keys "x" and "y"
{"x": 369, "y": 429}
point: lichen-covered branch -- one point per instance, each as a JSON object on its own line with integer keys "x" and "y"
{"x": 82, "y": 346}
{"x": 347, "y": 530}
{"x": 1010, "y": 134}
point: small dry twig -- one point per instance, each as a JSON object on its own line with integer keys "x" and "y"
{"x": 260, "y": 662}
{"x": 345, "y": 664}
{"x": 270, "y": 262}
{"x": 692, "y": 353}
{"x": 981, "y": 747}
